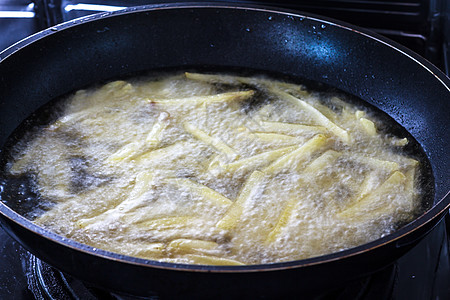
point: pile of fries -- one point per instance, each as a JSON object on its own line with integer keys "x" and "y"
{"x": 218, "y": 170}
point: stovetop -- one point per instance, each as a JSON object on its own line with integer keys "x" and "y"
{"x": 421, "y": 25}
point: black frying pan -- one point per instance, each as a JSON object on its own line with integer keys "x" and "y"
{"x": 100, "y": 47}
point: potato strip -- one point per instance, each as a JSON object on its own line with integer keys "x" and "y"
{"x": 208, "y": 194}
{"x": 199, "y": 100}
{"x": 143, "y": 183}
{"x": 290, "y": 128}
{"x": 166, "y": 223}
{"x": 282, "y": 221}
{"x": 372, "y": 205}
{"x": 320, "y": 163}
{"x": 318, "y": 116}
{"x": 212, "y": 260}
{"x": 210, "y": 140}
{"x": 251, "y": 186}
{"x": 296, "y": 157}
{"x": 151, "y": 141}
{"x": 256, "y": 161}
{"x": 189, "y": 246}
{"x": 235, "y": 80}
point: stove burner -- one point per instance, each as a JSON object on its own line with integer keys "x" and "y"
{"x": 48, "y": 283}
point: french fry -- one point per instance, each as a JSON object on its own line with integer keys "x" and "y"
{"x": 201, "y": 100}
{"x": 232, "y": 216}
{"x": 154, "y": 136}
{"x": 316, "y": 114}
{"x": 399, "y": 142}
{"x": 143, "y": 183}
{"x": 133, "y": 149}
{"x": 282, "y": 221}
{"x": 212, "y": 78}
{"x": 290, "y": 128}
{"x": 234, "y": 80}
{"x": 301, "y": 154}
{"x": 208, "y": 194}
{"x": 72, "y": 118}
{"x": 326, "y": 111}
{"x": 125, "y": 153}
{"x": 369, "y": 184}
{"x": 359, "y": 114}
{"x": 369, "y": 126}
{"x": 372, "y": 205}
{"x": 162, "y": 153}
{"x": 375, "y": 163}
{"x": 140, "y": 249}
{"x": 190, "y": 246}
{"x": 210, "y": 140}
{"x": 256, "y": 161}
{"x": 148, "y": 251}
{"x": 212, "y": 260}
{"x": 327, "y": 158}
{"x": 269, "y": 137}
{"x": 166, "y": 223}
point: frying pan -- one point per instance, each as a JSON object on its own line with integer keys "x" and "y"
{"x": 72, "y": 55}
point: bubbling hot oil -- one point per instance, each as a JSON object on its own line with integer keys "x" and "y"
{"x": 217, "y": 169}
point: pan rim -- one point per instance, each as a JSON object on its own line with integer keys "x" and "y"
{"x": 436, "y": 211}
